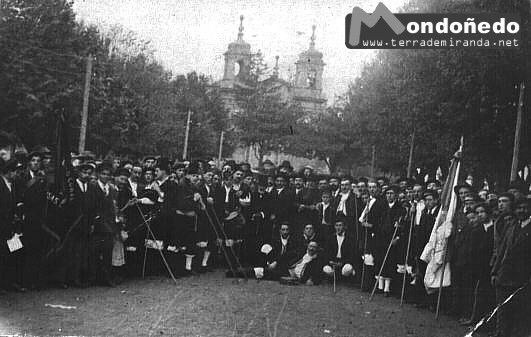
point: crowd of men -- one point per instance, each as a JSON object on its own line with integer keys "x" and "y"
{"x": 118, "y": 219}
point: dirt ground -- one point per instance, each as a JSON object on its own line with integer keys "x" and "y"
{"x": 212, "y": 305}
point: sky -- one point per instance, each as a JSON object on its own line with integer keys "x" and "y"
{"x": 190, "y": 35}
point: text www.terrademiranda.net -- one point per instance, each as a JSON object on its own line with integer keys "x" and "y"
{"x": 441, "y": 43}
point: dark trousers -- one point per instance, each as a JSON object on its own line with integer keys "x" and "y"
{"x": 10, "y": 267}
{"x": 484, "y": 298}
{"x": 77, "y": 253}
{"x": 462, "y": 291}
{"x": 100, "y": 256}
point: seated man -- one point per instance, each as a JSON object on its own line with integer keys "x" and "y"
{"x": 307, "y": 269}
{"x": 276, "y": 257}
{"x": 340, "y": 250}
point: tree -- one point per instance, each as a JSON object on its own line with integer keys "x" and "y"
{"x": 265, "y": 120}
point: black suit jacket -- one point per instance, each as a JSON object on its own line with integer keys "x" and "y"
{"x": 82, "y": 210}
{"x": 347, "y": 249}
{"x": 7, "y": 211}
{"x": 512, "y": 265}
{"x": 282, "y": 204}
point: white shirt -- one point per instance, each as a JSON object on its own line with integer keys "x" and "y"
{"x": 342, "y": 207}
{"x": 83, "y": 186}
{"x": 487, "y": 225}
{"x": 297, "y": 191}
{"x": 8, "y": 184}
{"x": 418, "y": 211}
{"x": 339, "y": 239}
{"x": 104, "y": 187}
{"x": 134, "y": 187}
{"x": 227, "y": 193}
{"x": 207, "y": 188}
{"x": 301, "y": 264}
{"x": 367, "y": 209}
{"x": 325, "y": 206}
{"x": 284, "y": 244}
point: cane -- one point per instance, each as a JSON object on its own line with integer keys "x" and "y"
{"x": 334, "y": 269}
{"x": 363, "y": 265}
{"x": 218, "y": 236}
{"x": 407, "y": 257}
{"x": 239, "y": 265}
{"x": 155, "y": 239}
{"x": 384, "y": 260}
{"x": 145, "y": 256}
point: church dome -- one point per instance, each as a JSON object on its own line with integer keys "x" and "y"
{"x": 311, "y": 55}
{"x": 240, "y": 46}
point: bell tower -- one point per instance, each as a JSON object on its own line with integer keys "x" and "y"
{"x": 309, "y": 67}
{"x": 308, "y": 86}
{"x": 237, "y": 59}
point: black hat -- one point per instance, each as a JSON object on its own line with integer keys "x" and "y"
{"x": 104, "y": 166}
{"x": 85, "y": 166}
{"x": 193, "y": 168}
{"x": 433, "y": 193}
{"x": 286, "y": 164}
{"x": 269, "y": 162}
{"x": 149, "y": 157}
{"x": 281, "y": 175}
{"x": 35, "y": 153}
{"x": 122, "y": 172}
{"x": 299, "y": 175}
{"x": 164, "y": 164}
{"x": 393, "y": 188}
{"x": 460, "y": 186}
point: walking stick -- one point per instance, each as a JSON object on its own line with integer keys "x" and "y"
{"x": 334, "y": 269}
{"x": 237, "y": 259}
{"x": 363, "y": 265}
{"x": 148, "y": 226}
{"x": 407, "y": 257}
{"x": 218, "y": 236}
{"x": 384, "y": 260}
{"x": 145, "y": 256}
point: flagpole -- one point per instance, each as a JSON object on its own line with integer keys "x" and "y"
{"x": 517, "y": 133}
{"x": 445, "y": 250}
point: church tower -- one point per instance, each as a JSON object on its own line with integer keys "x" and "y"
{"x": 308, "y": 86}
{"x": 237, "y": 60}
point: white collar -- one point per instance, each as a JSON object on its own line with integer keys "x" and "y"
{"x": 104, "y": 187}
{"x": 391, "y": 205}
{"x": 487, "y": 225}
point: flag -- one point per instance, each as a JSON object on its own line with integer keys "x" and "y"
{"x": 434, "y": 254}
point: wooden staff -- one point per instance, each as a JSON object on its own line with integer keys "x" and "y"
{"x": 384, "y": 260}
{"x": 407, "y": 252}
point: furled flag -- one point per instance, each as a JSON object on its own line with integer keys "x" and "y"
{"x": 434, "y": 253}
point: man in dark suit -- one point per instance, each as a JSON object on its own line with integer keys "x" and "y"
{"x": 512, "y": 269}
{"x": 371, "y": 219}
{"x": 33, "y": 194}
{"x": 393, "y": 222}
{"x": 326, "y": 214}
{"x": 422, "y": 234}
{"x": 282, "y": 201}
{"x": 307, "y": 267}
{"x": 340, "y": 251}
{"x": 81, "y": 212}
{"x": 105, "y": 228}
{"x": 276, "y": 257}
{"x": 7, "y": 223}
{"x": 304, "y": 204}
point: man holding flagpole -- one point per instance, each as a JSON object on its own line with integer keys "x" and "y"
{"x": 438, "y": 274}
